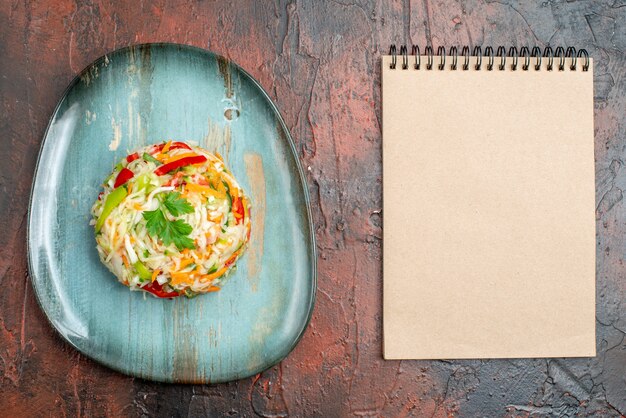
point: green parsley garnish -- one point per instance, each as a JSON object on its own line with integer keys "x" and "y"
{"x": 176, "y": 204}
{"x": 175, "y": 231}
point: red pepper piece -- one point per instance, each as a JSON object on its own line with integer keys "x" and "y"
{"x": 132, "y": 157}
{"x": 231, "y": 260}
{"x": 178, "y": 145}
{"x": 124, "y": 175}
{"x": 202, "y": 181}
{"x": 175, "y": 145}
{"x": 238, "y": 209}
{"x": 166, "y": 168}
{"x": 157, "y": 290}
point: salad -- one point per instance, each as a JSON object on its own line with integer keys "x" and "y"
{"x": 171, "y": 220}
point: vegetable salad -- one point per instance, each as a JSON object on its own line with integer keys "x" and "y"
{"x": 172, "y": 220}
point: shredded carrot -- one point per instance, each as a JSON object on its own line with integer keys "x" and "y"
{"x": 125, "y": 261}
{"x": 234, "y": 191}
{"x": 181, "y": 278}
{"x": 217, "y": 219}
{"x": 205, "y": 190}
{"x": 207, "y": 277}
{"x": 208, "y": 250}
{"x": 164, "y": 151}
{"x": 214, "y": 289}
{"x": 155, "y": 273}
{"x": 137, "y": 206}
{"x": 185, "y": 262}
{"x": 218, "y": 155}
{"x": 180, "y": 274}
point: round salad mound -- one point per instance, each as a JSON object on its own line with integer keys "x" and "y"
{"x": 172, "y": 220}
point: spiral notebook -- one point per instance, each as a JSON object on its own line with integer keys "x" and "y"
{"x": 488, "y": 203}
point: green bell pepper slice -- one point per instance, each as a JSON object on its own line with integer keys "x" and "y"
{"x": 142, "y": 271}
{"x": 150, "y": 158}
{"x": 113, "y": 200}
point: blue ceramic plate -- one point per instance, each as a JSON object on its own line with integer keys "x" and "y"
{"x": 142, "y": 95}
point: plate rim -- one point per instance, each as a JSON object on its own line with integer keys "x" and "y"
{"x": 303, "y": 184}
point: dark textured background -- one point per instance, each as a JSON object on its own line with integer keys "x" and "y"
{"x": 320, "y": 62}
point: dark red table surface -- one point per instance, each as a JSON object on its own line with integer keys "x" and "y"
{"x": 320, "y": 62}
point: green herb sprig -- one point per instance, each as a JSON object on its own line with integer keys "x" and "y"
{"x": 176, "y": 231}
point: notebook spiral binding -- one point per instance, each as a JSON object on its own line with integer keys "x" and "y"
{"x": 500, "y": 55}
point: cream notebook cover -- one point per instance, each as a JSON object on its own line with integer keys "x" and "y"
{"x": 488, "y": 209}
